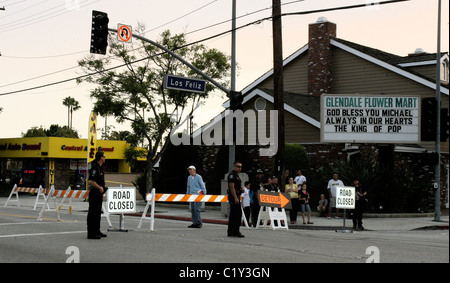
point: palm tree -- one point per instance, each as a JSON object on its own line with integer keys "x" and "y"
{"x": 72, "y": 105}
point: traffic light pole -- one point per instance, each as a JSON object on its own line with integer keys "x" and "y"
{"x": 192, "y": 67}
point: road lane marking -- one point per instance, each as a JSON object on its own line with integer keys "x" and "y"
{"x": 25, "y": 216}
{"x": 42, "y": 234}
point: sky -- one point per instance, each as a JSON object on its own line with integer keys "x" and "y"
{"x": 42, "y": 40}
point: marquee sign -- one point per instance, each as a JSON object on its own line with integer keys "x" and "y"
{"x": 370, "y": 119}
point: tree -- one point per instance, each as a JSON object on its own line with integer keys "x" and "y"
{"x": 135, "y": 93}
{"x": 72, "y": 105}
{"x": 53, "y": 131}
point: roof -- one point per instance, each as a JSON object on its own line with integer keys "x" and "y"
{"x": 307, "y": 104}
{"x": 392, "y": 62}
{"x": 307, "y": 107}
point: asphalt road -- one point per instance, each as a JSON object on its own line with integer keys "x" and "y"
{"x": 24, "y": 240}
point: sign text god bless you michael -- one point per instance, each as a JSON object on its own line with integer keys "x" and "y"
{"x": 378, "y": 119}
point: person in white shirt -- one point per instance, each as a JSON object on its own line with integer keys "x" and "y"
{"x": 332, "y": 193}
{"x": 300, "y": 179}
{"x": 246, "y": 201}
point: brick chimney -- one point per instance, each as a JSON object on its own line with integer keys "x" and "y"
{"x": 320, "y": 57}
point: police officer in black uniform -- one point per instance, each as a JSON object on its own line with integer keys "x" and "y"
{"x": 96, "y": 190}
{"x": 234, "y": 192}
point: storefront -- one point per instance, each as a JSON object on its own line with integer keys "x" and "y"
{"x": 47, "y": 161}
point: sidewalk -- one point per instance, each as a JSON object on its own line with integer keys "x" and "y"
{"x": 371, "y": 222}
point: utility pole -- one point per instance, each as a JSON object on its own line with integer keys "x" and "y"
{"x": 278, "y": 86}
{"x": 437, "y": 176}
{"x": 232, "y": 148}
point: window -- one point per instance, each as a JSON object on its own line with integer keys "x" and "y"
{"x": 260, "y": 104}
{"x": 444, "y": 70}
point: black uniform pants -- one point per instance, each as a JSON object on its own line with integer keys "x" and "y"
{"x": 94, "y": 212}
{"x": 358, "y": 214}
{"x": 234, "y": 220}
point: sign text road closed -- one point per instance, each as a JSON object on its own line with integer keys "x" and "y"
{"x": 274, "y": 199}
{"x": 184, "y": 84}
{"x": 345, "y": 197}
{"x": 121, "y": 200}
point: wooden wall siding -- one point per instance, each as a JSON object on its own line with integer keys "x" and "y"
{"x": 296, "y": 130}
{"x": 295, "y": 76}
{"x": 352, "y": 74}
{"x": 428, "y": 70}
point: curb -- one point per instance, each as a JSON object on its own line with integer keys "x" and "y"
{"x": 182, "y": 218}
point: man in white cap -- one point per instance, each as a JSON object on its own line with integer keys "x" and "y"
{"x": 195, "y": 186}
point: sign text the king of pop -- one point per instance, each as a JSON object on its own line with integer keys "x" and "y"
{"x": 370, "y": 119}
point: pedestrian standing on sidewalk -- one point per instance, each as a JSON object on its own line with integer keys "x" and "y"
{"x": 304, "y": 203}
{"x": 300, "y": 179}
{"x": 332, "y": 194}
{"x": 195, "y": 186}
{"x": 234, "y": 192}
{"x": 359, "y": 205}
{"x": 96, "y": 190}
{"x": 246, "y": 201}
{"x": 292, "y": 190}
{"x": 255, "y": 186}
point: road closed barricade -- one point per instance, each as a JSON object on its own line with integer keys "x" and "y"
{"x": 272, "y": 210}
{"x": 67, "y": 194}
{"x": 153, "y": 197}
{"x": 40, "y": 193}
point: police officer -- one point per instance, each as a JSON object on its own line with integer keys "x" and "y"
{"x": 96, "y": 190}
{"x": 234, "y": 192}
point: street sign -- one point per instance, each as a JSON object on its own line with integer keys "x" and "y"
{"x": 124, "y": 33}
{"x": 345, "y": 197}
{"x": 274, "y": 199}
{"x": 121, "y": 200}
{"x": 184, "y": 84}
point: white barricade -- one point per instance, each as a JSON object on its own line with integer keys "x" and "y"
{"x": 272, "y": 217}
{"x": 153, "y": 197}
{"x": 150, "y": 198}
{"x": 15, "y": 191}
{"x": 64, "y": 194}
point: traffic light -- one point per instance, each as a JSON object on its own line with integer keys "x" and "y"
{"x": 99, "y": 33}
{"x": 445, "y": 125}
{"x": 235, "y": 100}
{"x": 428, "y": 119}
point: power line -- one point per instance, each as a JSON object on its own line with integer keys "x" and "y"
{"x": 32, "y": 20}
{"x": 240, "y": 17}
{"x": 45, "y": 57}
{"x": 206, "y": 39}
{"x": 183, "y": 16}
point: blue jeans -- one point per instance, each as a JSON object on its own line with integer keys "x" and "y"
{"x": 195, "y": 210}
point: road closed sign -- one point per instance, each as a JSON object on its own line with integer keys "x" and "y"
{"x": 121, "y": 200}
{"x": 345, "y": 197}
